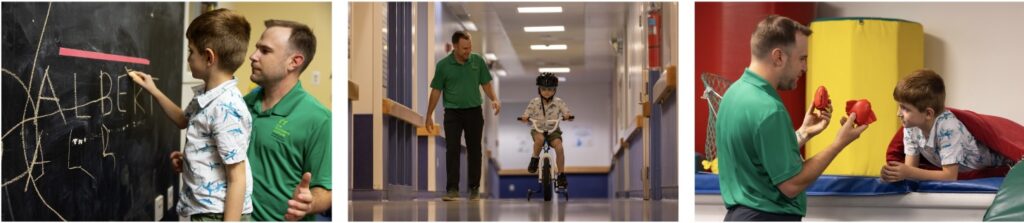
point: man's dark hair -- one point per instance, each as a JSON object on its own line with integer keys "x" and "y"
{"x": 775, "y": 32}
{"x": 458, "y": 35}
{"x": 301, "y": 39}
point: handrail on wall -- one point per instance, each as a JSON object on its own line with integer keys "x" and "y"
{"x": 665, "y": 85}
{"x": 353, "y": 91}
{"x": 399, "y": 111}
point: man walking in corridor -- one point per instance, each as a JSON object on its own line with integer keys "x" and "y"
{"x": 459, "y": 76}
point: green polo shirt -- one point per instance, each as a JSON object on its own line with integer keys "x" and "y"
{"x": 460, "y": 83}
{"x": 288, "y": 140}
{"x": 757, "y": 148}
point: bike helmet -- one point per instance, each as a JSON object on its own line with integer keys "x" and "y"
{"x": 547, "y": 80}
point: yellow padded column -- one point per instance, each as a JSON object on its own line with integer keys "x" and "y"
{"x": 858, "y": 58}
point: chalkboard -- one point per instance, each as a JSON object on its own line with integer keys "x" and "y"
{"x": 81, "y": 141}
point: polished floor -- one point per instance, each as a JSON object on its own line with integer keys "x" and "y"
{"x": 515, "y": 210}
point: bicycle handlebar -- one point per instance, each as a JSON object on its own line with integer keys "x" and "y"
{"x": 570, "y": 118}
{"x": 557, "y": 121}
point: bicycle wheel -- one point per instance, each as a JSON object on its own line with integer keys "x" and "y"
{"x": 546, "y": 180}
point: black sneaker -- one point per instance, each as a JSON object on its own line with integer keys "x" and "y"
{"x": 533, "y": 165}
{"x": 562, "y": 182}
{"x": 474, "y": 195}
{"x": 451, "y": 196}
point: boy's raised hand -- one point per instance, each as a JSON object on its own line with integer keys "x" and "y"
{"x": 176, "y": 157}
{"x": 142, "y": 79}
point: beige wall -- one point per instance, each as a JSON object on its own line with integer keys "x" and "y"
{"x": 366, "y": 42}
{"x": 317, "y": 15}
{"x": 366, "y": 67}
{"x": 974, "y": 46}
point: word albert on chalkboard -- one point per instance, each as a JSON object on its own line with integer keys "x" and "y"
{"x": 80, "y": 140}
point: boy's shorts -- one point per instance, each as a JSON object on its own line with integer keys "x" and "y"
{"x": 216, "y": 217}
{"x": 557, "y": 134}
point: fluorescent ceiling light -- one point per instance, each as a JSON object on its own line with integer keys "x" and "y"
{"x": 555, "y": 9}
{"x": 561, "y": 79}
{"x": 491, "y": 56}
{"x": 534, "y": 29}
{"x": 470, "y": 26}
{"x": 501, "y": 73}
{"x": 554, "y": 70}
{"x": 549, "y": 47}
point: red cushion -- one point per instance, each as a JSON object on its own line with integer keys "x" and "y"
{"x": 821, "y": 100}
{"x": 863, "y": 109}
{"x": 1002, "y": 135}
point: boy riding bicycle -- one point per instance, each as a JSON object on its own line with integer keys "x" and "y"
{"x": 544, "y": 108}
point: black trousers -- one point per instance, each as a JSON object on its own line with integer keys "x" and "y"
{"x": 743, "y": 213}
{"x": 456, "y": 122}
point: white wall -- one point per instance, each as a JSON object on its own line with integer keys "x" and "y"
{"x": 630, "y": 72}
{"x": 976, "y": 47}
{"x": 589, "y": 102}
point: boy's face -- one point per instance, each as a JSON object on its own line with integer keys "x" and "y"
{"x": 547, "y": 92}
{"x": 912, "y": 117}
{"x": 273, "y": 57}
{"x": 197, "y": 62}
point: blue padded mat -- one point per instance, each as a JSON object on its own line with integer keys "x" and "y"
{"x": 828, "y": 185}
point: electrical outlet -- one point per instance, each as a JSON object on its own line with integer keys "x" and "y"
{"x": 158, "y": 208}
{"x": 316, "y": 77}
{"x": 170, "y": 197}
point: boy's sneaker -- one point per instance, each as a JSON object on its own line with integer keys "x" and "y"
{"x": 562, "y": 182}
{"x": 451, "y": 196}
{"x": 533, "y": 165}
{"x": 474, "y": 195}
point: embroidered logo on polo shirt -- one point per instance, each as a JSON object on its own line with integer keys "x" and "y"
{"x": 279, "y": 129}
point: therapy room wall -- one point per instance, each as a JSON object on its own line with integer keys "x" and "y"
{"x": 974, "y": 46}
{"x": 317, "y": 15}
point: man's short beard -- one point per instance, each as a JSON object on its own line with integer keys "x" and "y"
{"x": 787, "y": 85}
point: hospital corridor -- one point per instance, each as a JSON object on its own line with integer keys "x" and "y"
{"x": 472, "y": 89}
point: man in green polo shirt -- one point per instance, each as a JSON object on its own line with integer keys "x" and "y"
{"x": 762, "y": 173}
{"x": 290, "y": 149}
{"x": 460, "y": 76}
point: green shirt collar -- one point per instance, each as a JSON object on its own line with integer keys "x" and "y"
{"x": 754, "y": 79}
{"x": 283, "y": 107}
{"x": 451, "y": 59}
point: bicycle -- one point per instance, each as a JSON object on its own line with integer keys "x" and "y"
{"x": 548, "y": 169}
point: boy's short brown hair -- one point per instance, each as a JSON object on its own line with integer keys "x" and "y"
{"x": 923, "y": 89}
{"x": 223, "y": 31}
{"x": 301, "y": 39}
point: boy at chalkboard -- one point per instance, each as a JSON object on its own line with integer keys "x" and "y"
{"x": 217, "y": 180}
